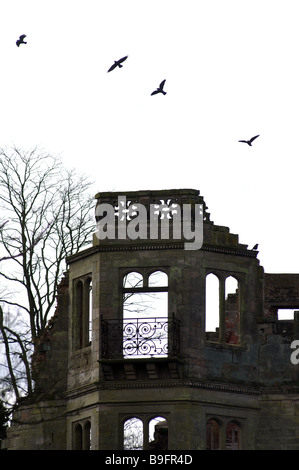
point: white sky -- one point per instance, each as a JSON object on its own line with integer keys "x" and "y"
{"x": 231, "y": 70}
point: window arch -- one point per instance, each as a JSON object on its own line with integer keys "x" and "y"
{"x": 213, "y": 434}
{"x": 222, "y": 308}
{"x": 133, "y": 434}
{"x": 87, "y": 436}
{"x": 144, "y": 432}
{"x": 78, "y": 333}
{"x": 232, "y": 436}
{"x": 82, "y": 435}
{"x": 82, "y": 312}
{"x": 223, "y": 433}
{"x": 158, "y": 279}
{"x": 78, "y": 433}
{"x": 133, "y": 280}
{"x": 89, "y": 287}
{"x": 158, "y": 434}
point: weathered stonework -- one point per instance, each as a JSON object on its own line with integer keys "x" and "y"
{"x": 237, "y": 385}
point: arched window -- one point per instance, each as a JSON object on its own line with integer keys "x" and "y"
{"x": 212, "y": 307}
{"x": 158, "y": 434}
{"x": 133, "y": 280}
{"x": 133, "y": 434}
{"x": 87, "y": 436}
{"x": 222, "y": 309}
{"x": 158, "y": 279}
{"x": 82, "y": 435}
{"x": 82, "y": 318}
{"x": 223, "y": 434}
{"x": 213, "y": 435}
{"x": 89, "y": 307}
{"x": 78, "y": 433}
{"x": 232, "y": 436}
{"x": 78, "y": 318}
{"x": 149, "y": 434}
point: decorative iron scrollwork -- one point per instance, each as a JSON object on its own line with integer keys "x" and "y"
{"x": 140, "y": 337}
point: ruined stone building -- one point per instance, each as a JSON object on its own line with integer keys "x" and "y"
{"x": 130, "y": 342}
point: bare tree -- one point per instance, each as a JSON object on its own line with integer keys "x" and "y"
{"x": 46, "y": 216}
{"x": 133, "y": 434}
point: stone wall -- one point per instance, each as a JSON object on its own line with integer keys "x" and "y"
{"x": 39, "y": 425}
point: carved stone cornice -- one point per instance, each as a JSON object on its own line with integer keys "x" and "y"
{"x": 197, "y": 384}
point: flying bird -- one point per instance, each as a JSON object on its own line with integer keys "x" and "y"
{"x": 117, "y": 63}
{"x": 255, "y": 247}
{"x": 249, "y": 142}
{"x": 21, "y": 40}
{"x": 160, "y": 89}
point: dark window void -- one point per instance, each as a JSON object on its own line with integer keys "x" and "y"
{"x": 222, "y": 436}
{"x": 213, "y": 435}
{"x": 232, "y": 436}
{"x": 78, "y": 433}
{"x": 82, "y": 313}
{"x": 82, "y": 435}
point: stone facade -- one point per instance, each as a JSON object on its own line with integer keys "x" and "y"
{"x": 234, "y": 387}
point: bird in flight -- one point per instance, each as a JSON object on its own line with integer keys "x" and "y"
{"x": 117, "y": 63}
{"x": 249, "y": 142}
{"x": 21, "y": 40}
{"x": 160, "y": 89}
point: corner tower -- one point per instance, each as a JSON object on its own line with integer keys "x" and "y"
{"x": 149, "y": 355}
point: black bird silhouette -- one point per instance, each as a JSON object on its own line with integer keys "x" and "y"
{"x": 117, "y": 63}
{"x": 255, "y": 247}
{"x": 249, "y": 142}
{"x": 160, "y": 89}
{"x": 21, "y": 40}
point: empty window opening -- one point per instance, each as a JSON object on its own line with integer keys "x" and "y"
{"x": 87, "y": 436}
{"x": 145, "y": 315}
{"x": 232, "y": 313}
{"x": 133, "y": 280}
{"x": 285, "y": 313}
{"x": 141, "y": 434}
{"x": 89, "y": 287}
{"x": 133, "y": 434}
{"x": 158, "y": 279}
{"x": 82, "y": 435}
{"x": 79, "y": 315}
{"x": 158, "y": 434}
{"x": 232, "y": 436}
{"x": 212, "y": 435}
{"x": 82, "y": 326}
{"x": 212, "y": 307}
{"x": 78, "y": 437}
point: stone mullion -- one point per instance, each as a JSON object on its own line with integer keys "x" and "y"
{"x": 222, "y": 310}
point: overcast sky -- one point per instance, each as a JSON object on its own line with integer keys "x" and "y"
{"x": 231, "y": 70}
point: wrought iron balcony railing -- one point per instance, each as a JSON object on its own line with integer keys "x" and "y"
{"x": 140, "y": 337}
